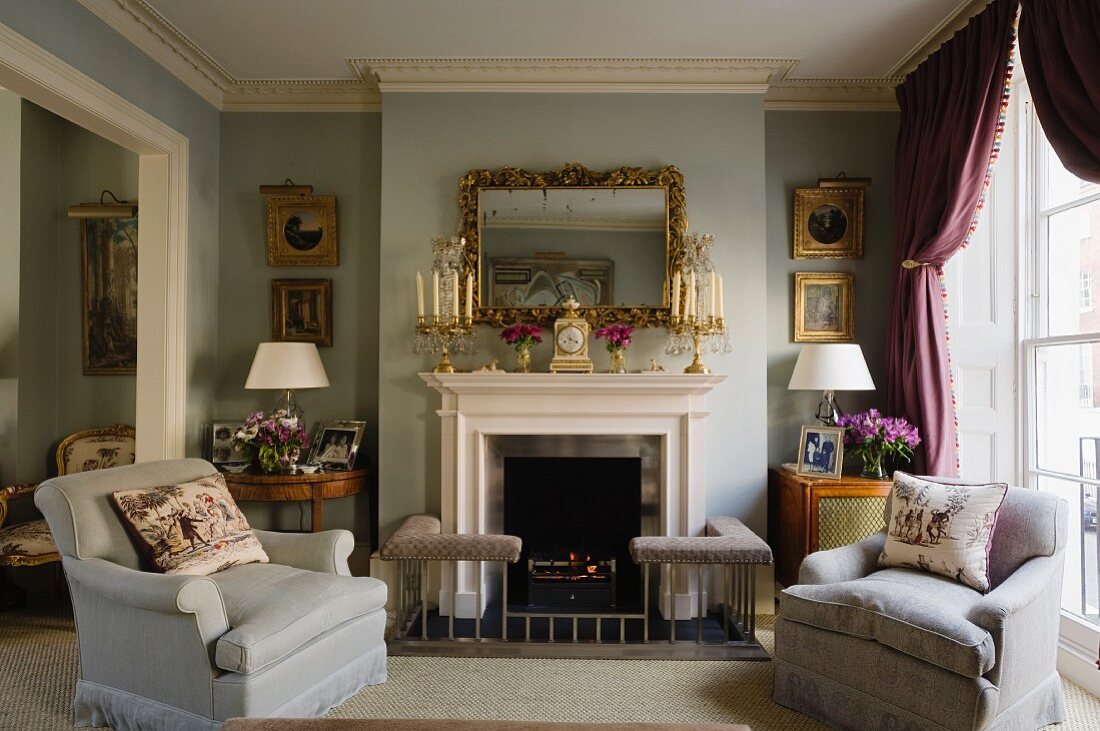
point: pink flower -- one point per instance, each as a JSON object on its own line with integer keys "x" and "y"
{"x": 617, "y": 336}
{"x": 522, "y": 335}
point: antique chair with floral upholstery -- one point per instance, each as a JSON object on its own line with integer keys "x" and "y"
{"x": 30, "y": 543}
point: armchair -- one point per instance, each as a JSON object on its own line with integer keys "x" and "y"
{"x": 288, "y": 638}
{"x": 863, "y": 647}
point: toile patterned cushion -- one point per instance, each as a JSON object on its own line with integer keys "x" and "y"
{"x": 23, "y": 542}
{"x": 942, "y": 528}
{"x": 193, "y": 528}
{"x": 98, "y": 453}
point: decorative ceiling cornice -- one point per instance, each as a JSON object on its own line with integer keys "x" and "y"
{"x": 155, "y": 35}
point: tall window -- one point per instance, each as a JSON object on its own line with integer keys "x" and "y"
{"x": 1061, "y": 342}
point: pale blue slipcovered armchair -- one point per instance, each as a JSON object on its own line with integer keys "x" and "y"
{"x": 859, "y": 647}
{"x": 289, "y": 638}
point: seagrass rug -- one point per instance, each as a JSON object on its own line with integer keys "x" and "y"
{"x": 38, "y": 663}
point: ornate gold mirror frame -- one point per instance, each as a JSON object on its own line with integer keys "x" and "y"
{"x": 573, "y": 175}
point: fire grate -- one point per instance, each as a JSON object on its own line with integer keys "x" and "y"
{"x": 576, "y": 581}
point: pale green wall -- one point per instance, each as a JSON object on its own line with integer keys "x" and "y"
{"x": 72, "y": 33}
{"x": 429, "y": 140}
{"x": 10, "y": 123}
{"x": 802, "y": 147}
{"x": 339, "y": 154}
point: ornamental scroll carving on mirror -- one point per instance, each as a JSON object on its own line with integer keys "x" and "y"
{"x": 608, "y": 239}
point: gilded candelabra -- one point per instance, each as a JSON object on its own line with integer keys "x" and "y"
{"x": 697, "y": 321}
{"x": 448, "y": 329}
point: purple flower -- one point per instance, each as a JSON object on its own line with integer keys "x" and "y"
{"x": 617, "y": 336}
{"x": 871, "y": 432}
{"x": 522, "y": 335}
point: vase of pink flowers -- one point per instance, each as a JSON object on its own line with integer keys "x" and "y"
{"x": 522, "y": 337}
{"x": 617, "y": 337}
{"x": 872, "y": 436}
{"x": 274, "y": 442}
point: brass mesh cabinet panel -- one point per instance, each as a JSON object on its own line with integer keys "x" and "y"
{"x": 845, "y": 520}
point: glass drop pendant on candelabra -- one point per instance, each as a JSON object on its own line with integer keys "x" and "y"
{"x": 448, "y": 329}
{"x": 697, "y": 320}
{"x": 693, "y": 335}
{"x": 444, "y": 336}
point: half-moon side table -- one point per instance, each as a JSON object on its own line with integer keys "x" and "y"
{"x": 316, "y": 488}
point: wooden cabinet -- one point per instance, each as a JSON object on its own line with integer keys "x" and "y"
{"x": 807, "y": 514}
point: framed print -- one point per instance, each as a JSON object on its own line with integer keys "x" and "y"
{"x": 548, "y": 282}
{"x": 222, "y": 451}
{"x": 336, "y": 444}
{"x": 828, "y": 223}
{"x": 823, "y": 311}
{"x": 821, "y": 452}
{"x": 301, "y": 230}
{"x": 301, "y": 311}
{"x": 109, "y": 295}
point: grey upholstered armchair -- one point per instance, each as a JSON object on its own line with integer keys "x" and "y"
{"x": 860, "y": 647}
{"x": 292, "y": 637}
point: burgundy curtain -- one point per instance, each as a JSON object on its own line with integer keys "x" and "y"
{"x": 1060, "y": 51}
{"x": 952, "y": 109}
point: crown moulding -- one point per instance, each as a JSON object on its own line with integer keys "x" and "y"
{"x": 371, "y": 78}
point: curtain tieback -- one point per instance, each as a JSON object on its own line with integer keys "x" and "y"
{"x": 914, "y": 264}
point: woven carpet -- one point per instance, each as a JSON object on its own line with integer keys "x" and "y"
{"x": 38, "y": 661}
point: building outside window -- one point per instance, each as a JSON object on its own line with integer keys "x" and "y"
{"x": 1086, "y": 290}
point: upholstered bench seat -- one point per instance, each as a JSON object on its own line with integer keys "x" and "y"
{"x": 917, "y": 613}
{"x": 273, "y": 610}
{"x": 419, "y": 539}
{"x": 728, "y": 541}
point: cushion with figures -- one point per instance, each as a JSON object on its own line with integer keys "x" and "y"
{"x": 26, "y": 541}
{"x": 943, "y": 528}
{"x": 194, "y": 528}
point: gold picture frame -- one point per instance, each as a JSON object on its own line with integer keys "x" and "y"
{"x": 820, "y": 452}
{"x": 823, "y": 307}
{"x": 301, "y": 230}
{"x": 301, "y": 311}
{"x": 109, "y": 251}
{"x": 828, "y": 223}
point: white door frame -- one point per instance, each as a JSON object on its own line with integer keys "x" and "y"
{"x": 49, "y": 82}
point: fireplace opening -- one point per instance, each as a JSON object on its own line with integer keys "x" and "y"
{"x": 576, "y": 516}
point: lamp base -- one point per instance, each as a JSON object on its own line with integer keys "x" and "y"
{"x": 827, "y": 410}
{"x": 288, "y": 403}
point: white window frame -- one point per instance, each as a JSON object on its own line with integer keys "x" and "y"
{"x": 1078, "y": 637}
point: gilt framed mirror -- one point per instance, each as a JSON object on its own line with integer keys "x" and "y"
{"x": 608, "y": 239}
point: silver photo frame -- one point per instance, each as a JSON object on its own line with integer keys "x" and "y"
{"x": 336, "y": 444}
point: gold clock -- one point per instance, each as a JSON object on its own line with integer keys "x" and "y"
{"x": 571, "y": 342}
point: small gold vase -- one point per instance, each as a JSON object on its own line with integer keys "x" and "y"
{"x": 618, "y": 361}
{"x": 523, "y": 359}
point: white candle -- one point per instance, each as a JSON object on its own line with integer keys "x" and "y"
{"x": 721, "y": 305}
{"x": 691, "y": 295}
{"x": 435, "y": 294}
{"x": 676, "y": 294}
{"x": 454, "y": 293}
{"x": 469, "y": 296}
{"x": 712, "y": 285}
{"x": 419, "y": 295}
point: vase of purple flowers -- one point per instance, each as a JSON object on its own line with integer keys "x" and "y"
{"x": 275, "y": 442}
{"x": 617, "y": 337}
{"x": 523, "y": 338}
{"x": 872, "y": 437}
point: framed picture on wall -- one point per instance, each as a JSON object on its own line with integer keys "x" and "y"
{"x": 821, "y": 452}
{"x": 301, "y": 311}
{"x": 336, "y": 444}
{"x": 828, "y": 223}
{"x": 301, "y": 230}
{"x": 109, "y": 293}
{"x": 823, "y": 311}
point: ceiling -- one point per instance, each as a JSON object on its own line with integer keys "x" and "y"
{"x": 339, "y": 53}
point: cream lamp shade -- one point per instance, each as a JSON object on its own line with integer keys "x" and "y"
{"x": 285, "y": 367}
{"x": 830, "y": 367}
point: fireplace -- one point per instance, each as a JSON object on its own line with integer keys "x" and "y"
{"x": 576, "y": 516}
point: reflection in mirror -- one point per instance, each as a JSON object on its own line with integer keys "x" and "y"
{"x": 602, "y": 246}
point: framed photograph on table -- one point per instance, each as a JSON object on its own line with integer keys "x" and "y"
{"x": 220, "y": 440}
{"x": 823, "y": 307}
{"x": 301, "y": 230}
{"x": 301, "y": 311}
{"x": 336, "y": 444}
{"x": 828, "y": 223}
{"x": 821, "y": 452}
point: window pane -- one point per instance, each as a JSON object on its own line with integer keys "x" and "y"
{"x": 1067, "y": 397}
{"x": 1073, "y": 260}
{"x": 1062, "y": 186}
{"x": 1082, "y": 575}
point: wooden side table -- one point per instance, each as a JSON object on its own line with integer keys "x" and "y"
{"x": 316, "y": 488}
{"x": 807, "y": 514}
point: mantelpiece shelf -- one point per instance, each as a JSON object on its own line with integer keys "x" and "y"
{"x": 573, "y": 383}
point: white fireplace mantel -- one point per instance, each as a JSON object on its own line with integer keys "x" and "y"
{"x": 670, "y": 407}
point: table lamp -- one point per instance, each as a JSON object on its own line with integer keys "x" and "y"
{"x": 829, "y": 368}
{"x": 286, "y": 367}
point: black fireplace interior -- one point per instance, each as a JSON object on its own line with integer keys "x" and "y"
{"x": 576, "y": 516}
